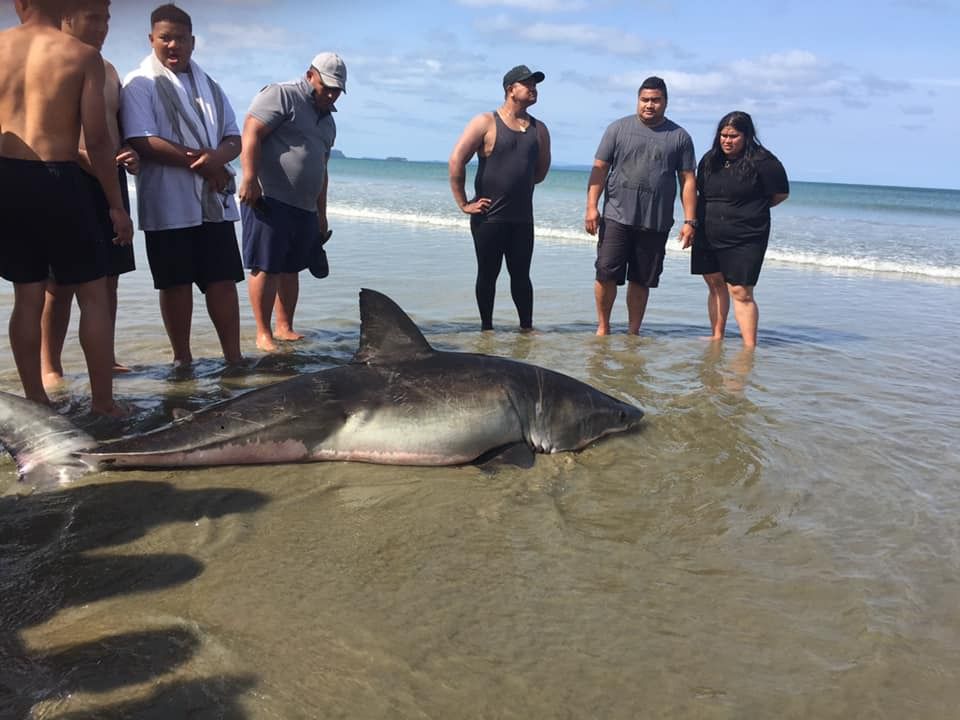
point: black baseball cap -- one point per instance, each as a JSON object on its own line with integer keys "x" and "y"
{"x": 521, "y": 73}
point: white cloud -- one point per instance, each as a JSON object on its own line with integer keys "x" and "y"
{"x": 780, "y": 85}
{"x": 581, "y": 36}
{"x": 426, "y": 73}
{"x": 250, "y": 36}
{"x": 785, "y": 78}
{"x": 917, "y": 109}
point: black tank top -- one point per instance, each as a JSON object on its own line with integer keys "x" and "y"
{"x": 506, "y": 176}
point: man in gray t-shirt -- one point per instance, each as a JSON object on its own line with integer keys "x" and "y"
{"x": 287, "y": 136}
{"x": 637, "y": 166}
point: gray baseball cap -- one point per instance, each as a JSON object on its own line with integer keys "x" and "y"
{"x": 331, "y": 69}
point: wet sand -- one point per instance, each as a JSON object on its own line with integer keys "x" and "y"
{"x": 779, "y": 539}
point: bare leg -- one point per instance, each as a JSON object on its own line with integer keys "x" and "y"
{"x": 637, "y": 296}
{"x": 176, "y": 308}
{"x": 262, "y": 289}
{"x": 53, "y": 331}
{"x": 24, "y": 331}
{"x": 746, "y": 312}
{"x": 718, "y": 304}
{"x": 288, "y": 292}
{"x": 224, "y": 310}
{"x": 96, "y": 339}
{"x": 112, "y": 282}
{"x": 604, "y": 293}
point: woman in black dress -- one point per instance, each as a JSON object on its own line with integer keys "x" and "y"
{"x": 738, "y": 181}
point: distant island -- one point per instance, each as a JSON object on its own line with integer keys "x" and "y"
{"x": 338, "y": 155}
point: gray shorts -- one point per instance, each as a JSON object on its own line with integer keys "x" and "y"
{"x": 626, "y": 252}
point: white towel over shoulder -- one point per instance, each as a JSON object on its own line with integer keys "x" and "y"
{"x": 157, "y": 101}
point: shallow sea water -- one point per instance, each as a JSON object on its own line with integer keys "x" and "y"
{"x": 779, "y": 539}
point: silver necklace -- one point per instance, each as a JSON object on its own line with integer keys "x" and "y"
{"x": 522, "y": 122}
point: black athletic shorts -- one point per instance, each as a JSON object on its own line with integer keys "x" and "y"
{"x": 626, "y": 252}
{"x": 202, "y": 254}
{"x": 48, "y": 225}
{"x": 119, "y": 257}
{"x": 740, "y": 264}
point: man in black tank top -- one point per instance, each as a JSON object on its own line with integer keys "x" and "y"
{"x": 514, "y": 155}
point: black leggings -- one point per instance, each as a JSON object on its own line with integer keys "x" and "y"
{"x": 493, "y": 242}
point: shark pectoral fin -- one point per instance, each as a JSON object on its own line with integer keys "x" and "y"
{"x": 516, "y": 455}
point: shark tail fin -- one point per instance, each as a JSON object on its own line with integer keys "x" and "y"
{"x": 43, "y": 443}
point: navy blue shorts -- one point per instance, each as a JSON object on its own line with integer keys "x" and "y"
{"x": 50, "y": 228}
{"x": 277, "y": 238}
{"x": 202, "y": 254}
{"x": 625, "y": 252}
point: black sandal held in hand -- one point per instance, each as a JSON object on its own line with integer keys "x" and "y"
{"x": 319, "y": 267}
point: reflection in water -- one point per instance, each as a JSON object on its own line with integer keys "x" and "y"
{"x": 618, "y": 363}
{"x": 698, "y": 445}
{"x": 511, "y": 344}
{"x": 731, "y": 377}
{"x": 725, "y": 409}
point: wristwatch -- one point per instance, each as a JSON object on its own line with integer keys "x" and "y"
{"x": 691, "y": 222}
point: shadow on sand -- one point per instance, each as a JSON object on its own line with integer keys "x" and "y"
{"x": 47, "y": 565}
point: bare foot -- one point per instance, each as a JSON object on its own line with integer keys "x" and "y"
{"x": 52, "y": 380}
{"x": 265, "y": 342}
{"x": 119, "y": 369}
{"x": 289, "y": 335}
{"x": 529, "y": 331}
{"x": 603, "y": 330}
{"x": 40, "y": 400}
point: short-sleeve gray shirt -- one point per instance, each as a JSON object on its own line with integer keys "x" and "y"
{"x": 642, "y": 183}
{"x": 293, "y": 157}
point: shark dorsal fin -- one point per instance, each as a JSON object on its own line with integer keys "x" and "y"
{"x": 387, "y": 334}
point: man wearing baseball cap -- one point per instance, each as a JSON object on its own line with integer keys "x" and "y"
{"x": 514, "y": 155}
{"x": 287, "y": 136}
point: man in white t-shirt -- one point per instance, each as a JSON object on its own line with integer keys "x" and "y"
{"x": 181, "y": 123}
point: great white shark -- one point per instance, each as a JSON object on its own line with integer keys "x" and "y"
{"x": 397, "y": 402}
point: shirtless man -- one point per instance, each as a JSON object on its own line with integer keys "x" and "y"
{"x": 52, "y": 86}
{"x": 89, "y": 21}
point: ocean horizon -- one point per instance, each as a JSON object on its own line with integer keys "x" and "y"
{"x": 836, "y": 226}
{"x": 585, "y": 167}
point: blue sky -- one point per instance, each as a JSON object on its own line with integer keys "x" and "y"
{"x": 841, "y": 91}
